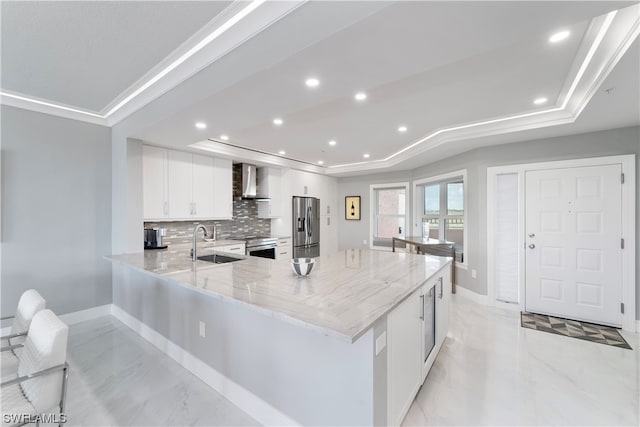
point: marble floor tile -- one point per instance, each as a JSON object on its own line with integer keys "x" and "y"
{"x": 119, "y": 379}
{"x": 491, "y": 371}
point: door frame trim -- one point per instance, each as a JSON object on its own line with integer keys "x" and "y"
{"x": 628, "y": 163}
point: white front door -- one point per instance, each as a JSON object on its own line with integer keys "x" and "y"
{"x": 573, "y": 238}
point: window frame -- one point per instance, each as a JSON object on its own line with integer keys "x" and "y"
{"x": 373, "y": 210}
{"x": 418, "y": 203}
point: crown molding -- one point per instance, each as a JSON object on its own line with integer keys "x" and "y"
{"x": 236, "y": 24}
{"x": 18, "y": 100}
{"x": 263, "y": 15}
{"x": 606, "y": 41}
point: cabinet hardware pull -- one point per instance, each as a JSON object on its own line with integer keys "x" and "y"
{"x": 421, "y": 307}
{"x": 441, "y": 288}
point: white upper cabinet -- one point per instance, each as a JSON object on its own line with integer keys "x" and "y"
{"x": 270, "y": 186}
{"x": 203, "y": 187}
{"x": 155, "y": 190}
{"x": 328, "y": 196}
{"x": 180, "y": 185}
{"x": 223, "y": 189}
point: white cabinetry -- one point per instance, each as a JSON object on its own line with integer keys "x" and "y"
{"x": 443, "y": 300}
{"x": 238, "y": 249}
{"x": 155, "y": 186}
{"x": 410, "y": 335}
{"x": 269, "y": 186}
{"x": 181, "y": 186}
{"x": 404, "y": 329}
{"x": 223, "y": 189}
{"x": 328, "y": 234}
{"x": 284, "y": 249}
{"x": 203, "y": 187}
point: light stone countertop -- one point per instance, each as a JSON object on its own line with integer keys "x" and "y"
{"x": 345, "y": 294}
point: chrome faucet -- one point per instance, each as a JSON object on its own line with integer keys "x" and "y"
{"x": 194, "y": 255}
{"x": 214, "y": 232}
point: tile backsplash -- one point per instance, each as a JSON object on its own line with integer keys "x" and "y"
{"x": 245, "y": 222}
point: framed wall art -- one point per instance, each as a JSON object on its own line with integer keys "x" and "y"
{"x": 352, "y": 208}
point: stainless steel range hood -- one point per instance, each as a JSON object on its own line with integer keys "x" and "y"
{"x": 246, "y": 188}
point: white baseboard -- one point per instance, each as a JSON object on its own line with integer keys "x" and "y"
{"x": 238, "y": 395}
{"x": 88, "y": 314}
{"x": 475, "y": 297}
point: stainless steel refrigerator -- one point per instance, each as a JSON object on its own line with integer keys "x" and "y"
{"x": 306, "y": 227}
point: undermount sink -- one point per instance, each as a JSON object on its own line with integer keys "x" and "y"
{"x": 218, "y": 259}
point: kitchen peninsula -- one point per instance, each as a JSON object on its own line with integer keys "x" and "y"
{"x": 340, "y": 347}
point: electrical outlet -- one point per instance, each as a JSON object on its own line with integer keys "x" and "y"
{"x": 364, "y": 242}
{"x": 474, "y": 274}
{"x": 306, "y": 190}
{"x": 203, "y": 332}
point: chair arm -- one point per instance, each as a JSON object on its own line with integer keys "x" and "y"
{"x": 7, "y": 337}
{"x": 11, "y": 347}
{"x": 24, "y": 378}
{"x": 7, "y": 318}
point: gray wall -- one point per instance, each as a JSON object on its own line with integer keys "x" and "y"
{"x": 595, "y": 144}
{"x": 56, "y": 211}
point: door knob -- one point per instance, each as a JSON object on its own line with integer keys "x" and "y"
{"x": 532, "y": 235}
{"x": 531, "y": 246}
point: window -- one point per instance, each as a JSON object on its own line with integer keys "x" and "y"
{"x": 389, "y": 209}
{"x": 441, "y": 205}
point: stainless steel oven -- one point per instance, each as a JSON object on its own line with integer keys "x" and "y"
{"x": 264, "y": 247}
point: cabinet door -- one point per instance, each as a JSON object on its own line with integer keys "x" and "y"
{"x": 275, "y": 192}
{"x": 443, "y": 299}
{"x": 328, "y": 196}
{"x": 403, "y": 357}
{"x": 154, "y": 183}
{"x": 180, "y": 185}
{"x": 223, "y": 189}
{"x": 328, "y": 235}
{"x": 203, "y": 190}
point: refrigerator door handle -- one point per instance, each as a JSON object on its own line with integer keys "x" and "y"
{"x": 309, "y": 223}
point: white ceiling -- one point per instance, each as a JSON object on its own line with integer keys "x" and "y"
{"x": 428, "y": 65}
{"x": 85, "y": 53}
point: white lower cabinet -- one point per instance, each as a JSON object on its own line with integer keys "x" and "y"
{"x": 238, "y": 249}
{"x": 414, "y": 341}
{"x": 404, "y": 366}
{"x": 328, "y": 235}
{"x": 284, "y": 250}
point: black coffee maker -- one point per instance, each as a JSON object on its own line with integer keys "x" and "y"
{"x": 153, "y": 238}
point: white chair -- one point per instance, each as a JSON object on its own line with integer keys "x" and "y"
{"x": 30, "y": 303}
{"x": 39, "y": 388}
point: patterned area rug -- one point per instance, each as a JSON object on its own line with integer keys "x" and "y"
{"x": 573, "y": 328}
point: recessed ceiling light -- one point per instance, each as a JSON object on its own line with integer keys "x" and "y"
{"x": 277, "y": 122}
{"x": 224, "y": 137}
{"x": 366, "y": 155}
{"x": 402, "y": 129}
{"x": 282, "y": 152}
{"x": 360, "y": 96}
{"x": 559, "y": 36}
{"x": 201, "y": 125}
{"x": 312, "y": 82}
{"x": 332, "y": 142}
{"x": 540, "y": 101}
{"x": 320, "y": 162}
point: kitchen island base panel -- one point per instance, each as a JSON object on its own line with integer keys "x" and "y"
{"x": 314, "y": 379}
